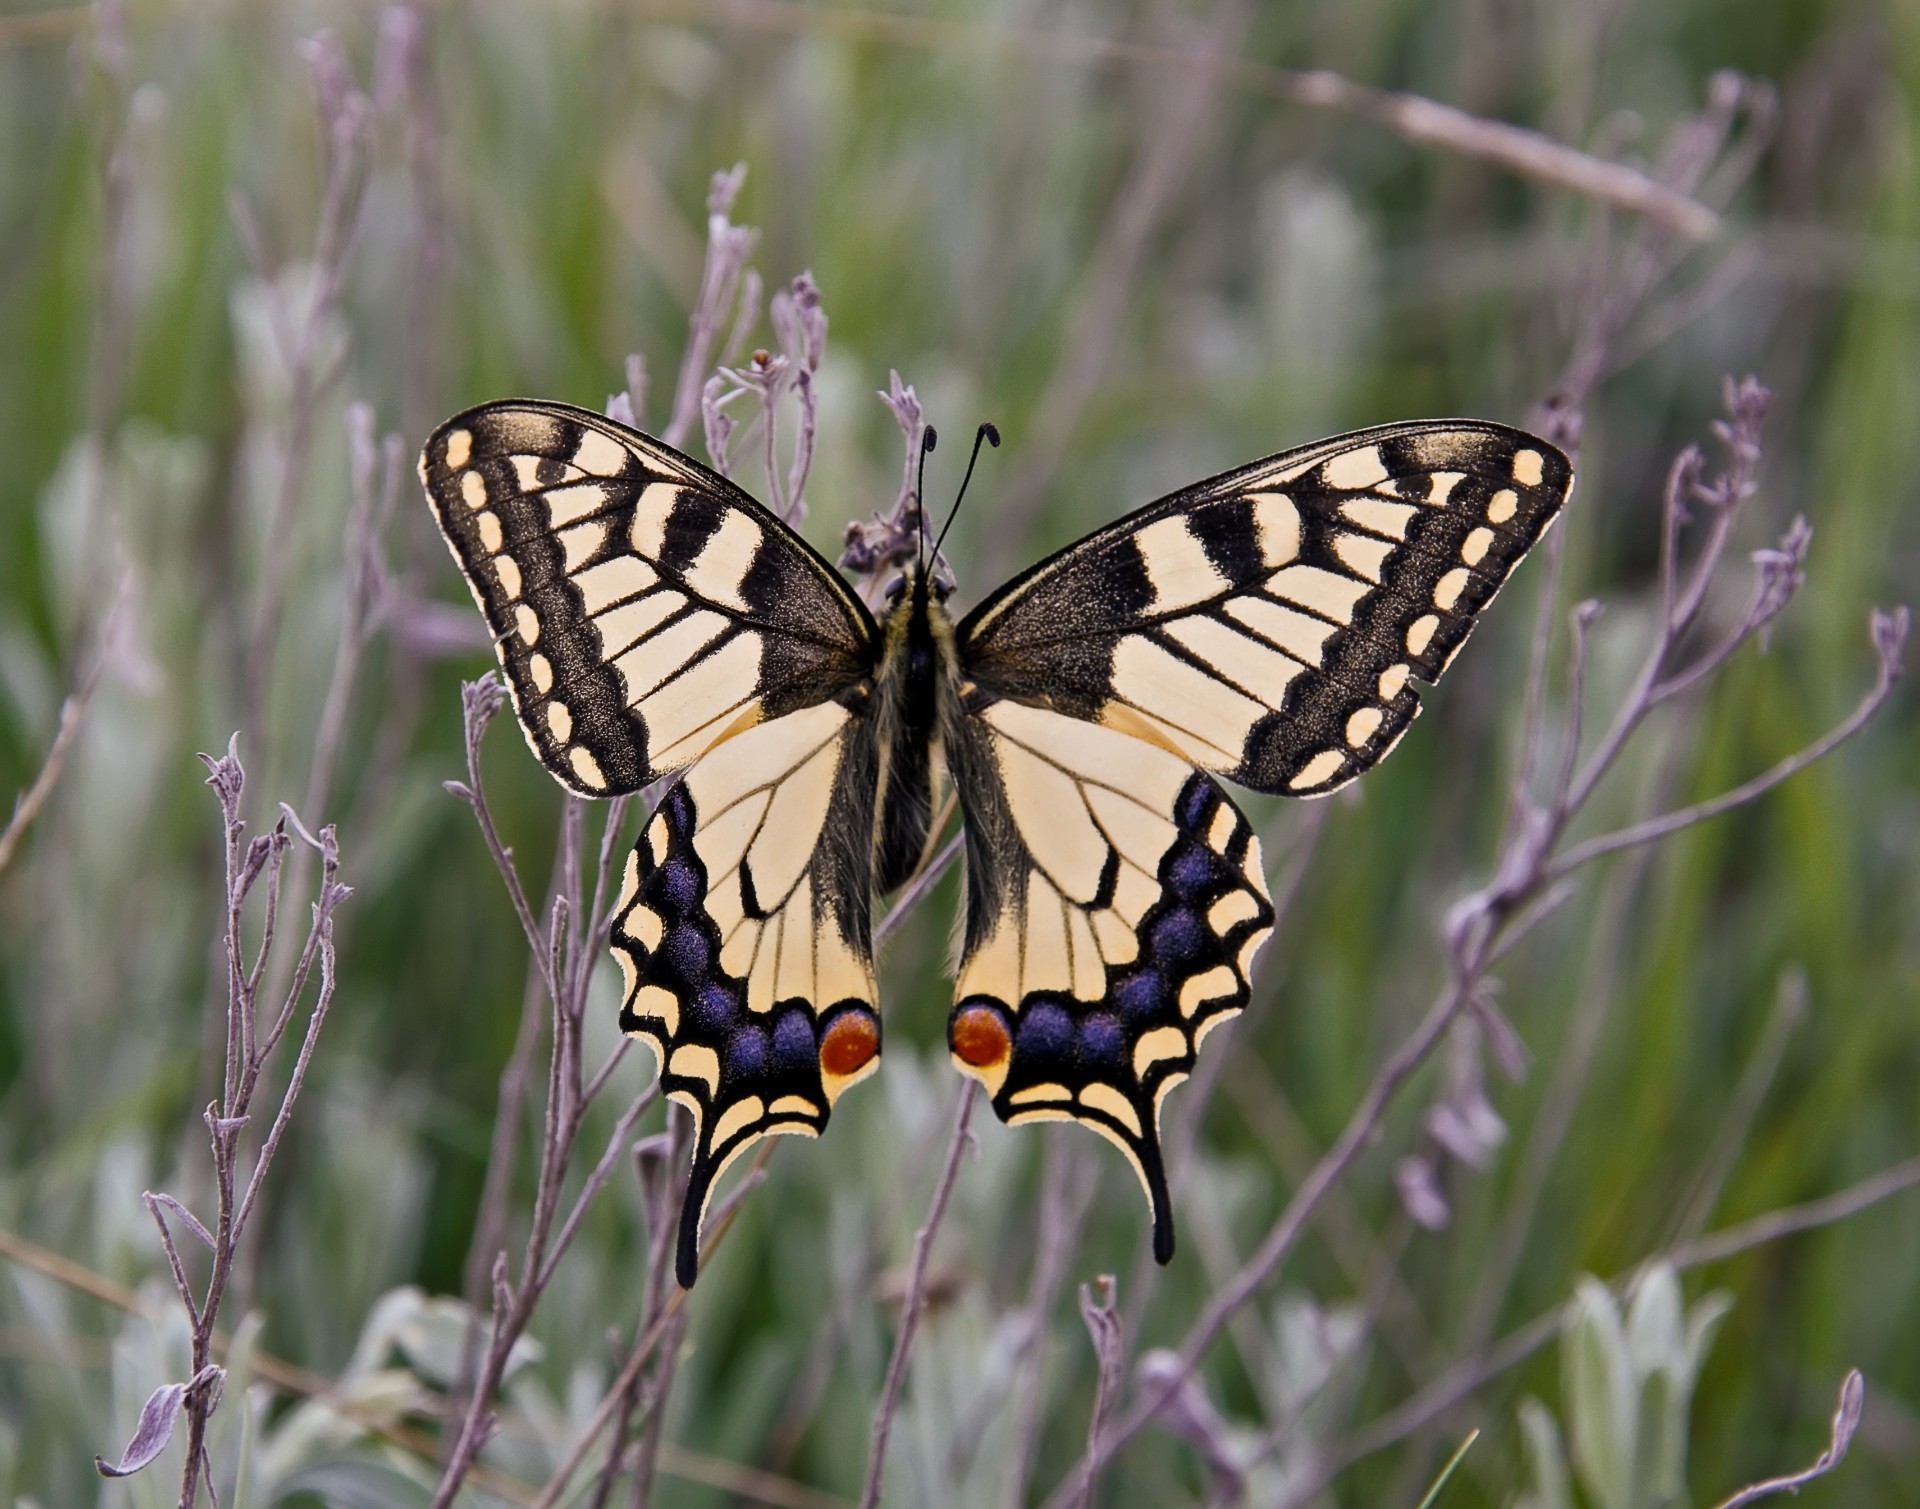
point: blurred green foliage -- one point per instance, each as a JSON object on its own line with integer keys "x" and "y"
{"x": 532, "y": 215}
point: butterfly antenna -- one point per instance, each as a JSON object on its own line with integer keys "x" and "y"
{"x": 985, "y": 432}
{"x": 927, "y": 442}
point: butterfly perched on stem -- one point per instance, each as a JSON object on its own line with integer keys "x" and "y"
{"x": 1265, "y": 627}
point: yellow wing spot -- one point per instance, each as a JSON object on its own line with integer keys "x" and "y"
{"x": 1326, "y": 593}
{"x": 1249, "y": 950}
{"x": 581, "y": 543}
{"x": 559, "y": 721}
{"x": 737, "y": 1118}
{"x": 1040, "y": 1113}
{"x": 658, "y": 1001}
{"x": 1390, "y": 519}
{"x": 508, "y": 571}
{"x": 1356, "y": 469}
{"x": 1503, "y": 506}
{"x": 586, "y": 767}
{"x": 1420, "y": 633}
{"x": 1178, "y": 565}
{"x": 1363, "y": 555}
{"x": 1322, "y": 767}
{"x": 459, "y": 448}
{"x": 540, "y": 669}
{"x": 629, "y": 880}
{"x": 1161, "y": 1043}
{"x": 1216, "y": 983}
{"x": 490, "y": 536}
{"x": 1220, "y": 831}
{"x": 1277, "y": 523}
{"x": 600, "y": 454}
{"x": 793, "y": 1105}
{"x": 568, "y": 505}
{"x": 1473, "y": 549}
{"x": 473, "y": 490}
{"x": 1106, "y": 1099}
{"x": 649, "y": 533}
{"x": 1391, "y": 680}
{"x": 1444, "y": 483}
{"x": 696, "y": 1061}
{"x": 1447, "y": 590}
{"x": 657, "y": 839}
{"x": 1035, "y": 1095}
{"x": 1299, "y": 634}
{"x": 1528, "y": 467}
{"x": 1231, "y": 910}
{"x": 1363, "y": 725}
{"x": 528, "y": 623}
{"x": 645, "y": 926}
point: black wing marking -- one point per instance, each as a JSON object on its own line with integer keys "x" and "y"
{"x": 643, "y": 607}
{"x": 1266, "y": 624}
{"x": 744, "y": 934}
{"x": 1115, "y": 901}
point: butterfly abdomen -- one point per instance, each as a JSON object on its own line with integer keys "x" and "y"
{"x": 916, "y": 660}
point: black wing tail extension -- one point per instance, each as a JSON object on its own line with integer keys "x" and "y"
{"x": 744, "y": 1069}
{"x": 1157, "y": 939}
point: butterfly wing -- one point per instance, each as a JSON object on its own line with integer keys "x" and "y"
{"x": 643, "y": 607}
{"x": 1267, "y": 624}
{"x": 743, "y": 931}
{"x": 1115, "y": 900}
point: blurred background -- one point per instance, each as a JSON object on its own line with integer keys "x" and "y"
{"x": 233, "y": 259}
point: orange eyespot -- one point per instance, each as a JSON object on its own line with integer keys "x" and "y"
{"x": 850, "y": 1043}
{"x": 979, "y": 1037}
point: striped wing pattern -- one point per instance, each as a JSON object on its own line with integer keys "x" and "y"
{"x": 643, "y": 607}
{"x": 1267, "y": 625}
{"x": 744, "y": 940}
{"x": 1115, "y": 901}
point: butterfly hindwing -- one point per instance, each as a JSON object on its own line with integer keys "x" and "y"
{"x": 1115, "y": 901}
{"x": 743, "y": 931}
{"x": 642, "y": 606}
{"x": 1267, "y": 624}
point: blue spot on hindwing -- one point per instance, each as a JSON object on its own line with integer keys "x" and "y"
{"x": 1177, "y": 938}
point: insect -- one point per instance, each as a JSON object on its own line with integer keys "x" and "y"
{"x": 1266, "y": 627}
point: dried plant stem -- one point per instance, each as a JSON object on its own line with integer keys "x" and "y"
{"x": 1846, "y": 1420}
{"x": 73, "y": 717}
{"x": 915, "y": 1298}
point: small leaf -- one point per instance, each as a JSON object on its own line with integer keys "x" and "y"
{"x": 150, "y": 1436}
{"x": 1654, "y": 1321}
{"x": 1601, "y": 1395}
{"x": 1546, "y": 1458}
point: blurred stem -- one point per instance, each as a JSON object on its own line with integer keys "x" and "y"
{"x": 915, "y": 1298}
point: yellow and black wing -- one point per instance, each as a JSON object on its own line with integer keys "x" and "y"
{"x": 643, "y": 607}
{"x": 1267, "y": 624}
{"x": 1115, "y": 900}
{"x": 743, "y": 931}
{"x": 1264, "y": 626}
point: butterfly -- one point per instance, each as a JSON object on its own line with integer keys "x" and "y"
{"x": 1266, "y": 627}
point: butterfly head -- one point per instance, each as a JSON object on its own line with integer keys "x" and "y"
{"x": 929, "y": 578}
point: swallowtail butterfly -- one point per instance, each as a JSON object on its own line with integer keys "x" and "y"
{"x": 1265, "y": 627}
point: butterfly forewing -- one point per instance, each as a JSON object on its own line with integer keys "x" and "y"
{"x": 743, "y": 934}
{"x": 643, "y": 608}
{"x": 1267, "y": 624}
{"x": 1115, "y": 901}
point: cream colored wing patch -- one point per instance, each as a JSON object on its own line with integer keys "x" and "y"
{"x": 743, "y": 934}
{"x": 643, "y": 608}
{"x": 1267, "y": 624}
{"x": 1115, "y": 901}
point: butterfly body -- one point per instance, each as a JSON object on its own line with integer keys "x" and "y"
{"x": 1264, "y": 626}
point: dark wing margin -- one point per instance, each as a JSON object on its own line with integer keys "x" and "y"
{"x": 1115, "y": 902}
{"x": 642, "y": 606}
{"x": 743, "y": 933}
{"x": 1267, "y": 624}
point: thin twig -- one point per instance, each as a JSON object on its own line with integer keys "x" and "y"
{"x": 915, "y": 1298}
{"x": 1846, "y": 1420}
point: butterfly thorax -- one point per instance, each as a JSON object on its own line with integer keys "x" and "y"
{"x": 918, "y": 670}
